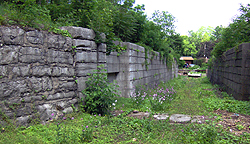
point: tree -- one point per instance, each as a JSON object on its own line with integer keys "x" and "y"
{"x": 165, "y": 20}
{"x": 236, "y": 33}
{"x": 189, "y": 47}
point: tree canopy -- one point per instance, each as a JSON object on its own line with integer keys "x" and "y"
{"x": 118, "y": 19}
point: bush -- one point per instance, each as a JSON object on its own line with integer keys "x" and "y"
{"x": 194, "y": 67}
{"x": 100, "y": 94}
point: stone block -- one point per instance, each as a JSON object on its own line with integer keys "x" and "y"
{"x": 82, "y": 69}
{"x": 86, "y": 57}
{"x": 112, "y": 59}
{"x": 79, "y": 32}
{"x": 45, "y": 111}
{"x": 9, "y": 54}
{"x": 102, "y": 57}
{"x": 141, "y": 54}
{"x": 61, "y": 95}
{"x": 35, "y": 37}
{"x": 81, "y": 83}
{"x": 12, "y": 36}
{"x": 73, "y": 101}
{"x": 59, "y": 57}
{"x": 133, "y": 60}
{"x": 68, "y": 86}
{"x": 141, "y": 60}
{"x": 39, "y": 84}
{"x": 102, "y": 47}
{"x": 21, "y": 70}
{"x": 85, "y": 43}
{"x": 29, "y": 99}
{"x": 3, "y": 71}
{"x": 68, "y": 44}
{"x": 113, "y": 67}
{"x": 133, "y": 53}
{"x": 30, "y": 55}
{"x": 59, "y": 42}
{"x": 41, "y": 71}
{"x": 141, "y": 49}
{"x": 68, "y": 110}
{"x": 23, "y": 120}
{"x": 13, "y": 89}
{"x": 62, "y": 71}
{"x": 132, "y": 67}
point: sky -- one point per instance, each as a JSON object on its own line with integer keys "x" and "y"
{"x": 192, "y": 14}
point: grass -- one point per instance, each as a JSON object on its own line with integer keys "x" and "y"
{"x": 192, "y": 96}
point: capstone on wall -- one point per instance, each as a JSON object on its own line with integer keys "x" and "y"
{"x": 232, "y": 71}
{"x": 42, "y": 74}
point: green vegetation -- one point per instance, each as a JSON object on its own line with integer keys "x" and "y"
{"x": 183, "y": 95}
{"x": 117, "y": 19}
{"x": 100, "y": 94}
{"x": 235, "y": 34}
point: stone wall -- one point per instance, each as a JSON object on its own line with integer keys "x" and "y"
{"x": 129, "y": 69}
{"x": 232, "y": 71}
{"x": 42, "y": 74}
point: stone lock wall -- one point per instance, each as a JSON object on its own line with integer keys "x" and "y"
{"x": 129, "y": 69}
{"x": 42, "y": 75}
{"x": 232, "y": 71}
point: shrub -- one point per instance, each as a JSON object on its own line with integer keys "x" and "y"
{"x": 100, "y": 94}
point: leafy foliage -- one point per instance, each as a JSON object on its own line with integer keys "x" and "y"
{"x": 235, "y": 34}
{"x": 100, "y": 94}
{"x": 27, "y": 13}
{"x": 117, "y": 19}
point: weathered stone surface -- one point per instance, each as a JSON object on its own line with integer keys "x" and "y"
{"x": 61, "y": 96}
{"x": 62, "y": 71}
{"x": 35, "y": 37}
{"x": 23, "y": 120}
{"x": 40, "y": 84}
{"x": 86, "y": 57}
{"x": 3, "y": 70}
{"x": 102, "y": 47}
{"x": 56, "y": 41}
{"x": 68, "y": 86}
{"x": 68, "y": 110}
{"x": 102, "y": 57}
{"x": 73, "y": 101}
{"x": 30, "y": 55}
{"x": 9, "y": 54}
{"x": 13, "y": 88}
{"x": 161, "y": 117}
{"x": 41, "y": 71}
{"x": 46, "y": 111}
{"x": 82, "y": 68}
{"x": 85, "y": 43}
{"x": 179, "y": 118}
{"x": 79, "y": 32}
{"x": 61, "y": 105}
{"x": 14, "y": 36}
{"x": 59, "y": 57}
{"x": 32, "y": 98}
{"x": 81, "y": 85}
